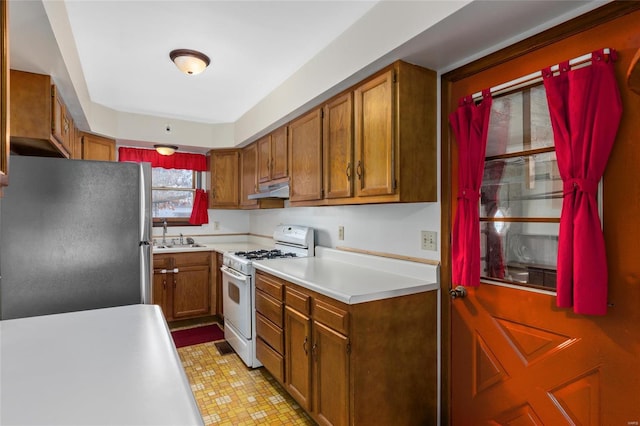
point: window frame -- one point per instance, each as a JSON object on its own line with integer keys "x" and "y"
{"x": 527, "y": 151}
{"x": 197, "y": 180}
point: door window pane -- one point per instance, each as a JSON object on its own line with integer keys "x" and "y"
{"x": 527, "y": 187}
{"x": 519, "y": 121}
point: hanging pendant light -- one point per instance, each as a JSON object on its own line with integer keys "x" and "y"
{"x": 189, "y": 62}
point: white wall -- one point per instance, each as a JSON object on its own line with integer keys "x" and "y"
{"x": 388, "y": 228}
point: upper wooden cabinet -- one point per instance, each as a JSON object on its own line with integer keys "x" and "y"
{"x": 379, "y": 142}
{"x": 39, "y": 122}
{"x": 395, "y": 135}
{"x": 305, "y": 157}
{"x": 249, "y": 181}
{"x": 99, "y": 148}
{"x": 4, "y": 95}
{"x": 249, "y": 175}
{"x": 225, "y": 189}
{"x": 337, "y": 145}
{"x": 272, "y": 156}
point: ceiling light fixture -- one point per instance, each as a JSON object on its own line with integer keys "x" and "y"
{"x": 166, "y": 149}
{"x": 189, "y": 62}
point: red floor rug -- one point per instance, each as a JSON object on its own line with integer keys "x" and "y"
{"x": 193, "y": 336}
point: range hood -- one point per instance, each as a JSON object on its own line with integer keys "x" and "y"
{"x": 276, "y": 190}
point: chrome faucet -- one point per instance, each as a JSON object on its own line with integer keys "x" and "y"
{"x": 181, "y": 240}
{"x": 164, "y": 232}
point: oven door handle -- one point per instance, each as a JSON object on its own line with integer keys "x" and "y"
{"x": 234, "y": 274}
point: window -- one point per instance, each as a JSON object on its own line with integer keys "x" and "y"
{"x": 521, "y": 193}
{"x": 173, "y": 194}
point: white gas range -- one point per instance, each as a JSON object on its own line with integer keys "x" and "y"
{"x": 238, "y": 281}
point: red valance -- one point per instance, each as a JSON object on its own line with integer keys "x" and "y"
{"x": 179, "y": 160}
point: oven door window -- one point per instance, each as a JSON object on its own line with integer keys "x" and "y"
{"x": 234, "y": 292}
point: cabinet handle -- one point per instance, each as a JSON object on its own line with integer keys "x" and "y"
{"x": 314, "y": 350}
{"x": 304, "y": 345}
{"x": 164, "y": 284}
{"x": 359, "y": 170}
{"x": 349, "y": 170}
{"x": 174, "y": 283}
{"x": 213, "y": 193}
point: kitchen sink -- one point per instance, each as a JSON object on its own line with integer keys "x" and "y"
{"x": 163, "y": 246}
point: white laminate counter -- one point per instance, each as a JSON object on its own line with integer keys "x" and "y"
{"x": 113, "y": 366}
{"x": 219, "y": 247}
{"x": 354, "y": 278}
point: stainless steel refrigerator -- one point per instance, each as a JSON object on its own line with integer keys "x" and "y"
{"x": 74, "y": 235}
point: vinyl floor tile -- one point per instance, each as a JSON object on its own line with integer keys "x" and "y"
{"x": 230, "y": 394}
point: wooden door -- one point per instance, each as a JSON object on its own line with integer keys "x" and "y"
{"x": 331, "y": 376}
{"x": 305, "y": 156}
{"x": 279, "y": 154}
{"x": 337, "y": 145}
{"x": 249, "y": 175}
{"x": 374, "y": 136}
{"x": 224, "y": 178}
{"x": 514, "y": 357}
{"x": 297, "y": 350}
{"x": 191, "y": 291}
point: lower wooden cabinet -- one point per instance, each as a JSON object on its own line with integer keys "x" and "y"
{"x": 361, "y": 364}
{"x": 182, "y": 284}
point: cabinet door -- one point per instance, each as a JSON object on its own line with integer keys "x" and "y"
{"x": 298, "y": 356}
{"x": 161, "y": 283}
{"x": 191, "y": 291}
{"x": 305, "y": 157}
{"x": 264, "y": 159}
{"x": 279, "y": 154}
{"x": 374, "y": 136}
{"x": 338, "y": 147}
{"x": 98, "y": 148}
{"x": 218, "y": 285}
{"x": 331, "y": 375}
{"x": 57, "y": 116}
{"x": 249, "y": 175}
{"x": 224, "y": 178}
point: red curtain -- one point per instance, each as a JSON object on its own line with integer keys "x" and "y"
{"x": 470, "y": 124}
{"x": 179, "y": 160}
{"x": 585, "y": 110}
{"x": 199, "y": 215}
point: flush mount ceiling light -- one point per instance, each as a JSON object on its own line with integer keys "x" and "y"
{"x": 188, "y": 61}
{"x": 166, "y": 149}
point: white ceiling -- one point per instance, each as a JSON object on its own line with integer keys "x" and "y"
{"x": 123, "y": 46}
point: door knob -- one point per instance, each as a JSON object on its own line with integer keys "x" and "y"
{"x": 459, "y": 291}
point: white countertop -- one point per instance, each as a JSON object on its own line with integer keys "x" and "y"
{"x": 113, "y": 366}
{"x": 219, "y": 247}
{"x": 352, "y": 277}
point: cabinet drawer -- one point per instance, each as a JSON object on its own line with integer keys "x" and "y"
{"x": 297, "y": 300}
{"x": 331, "y": 316}
{"x": 270, "y": 333}
{"x": 272, "y": 360}
{"x": 192, "y": 258}
{"x": 269, "y": 308}
{"x": 270, "y": 285}
{"x": 162, "y": 261}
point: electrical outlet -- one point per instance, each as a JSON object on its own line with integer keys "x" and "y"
{"x": 216, "y": 226}
{"x": 429, "y": 240}
{"x": 341, "y": 233}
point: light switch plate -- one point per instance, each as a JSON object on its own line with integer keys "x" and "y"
{"x": 429, "y": 240}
